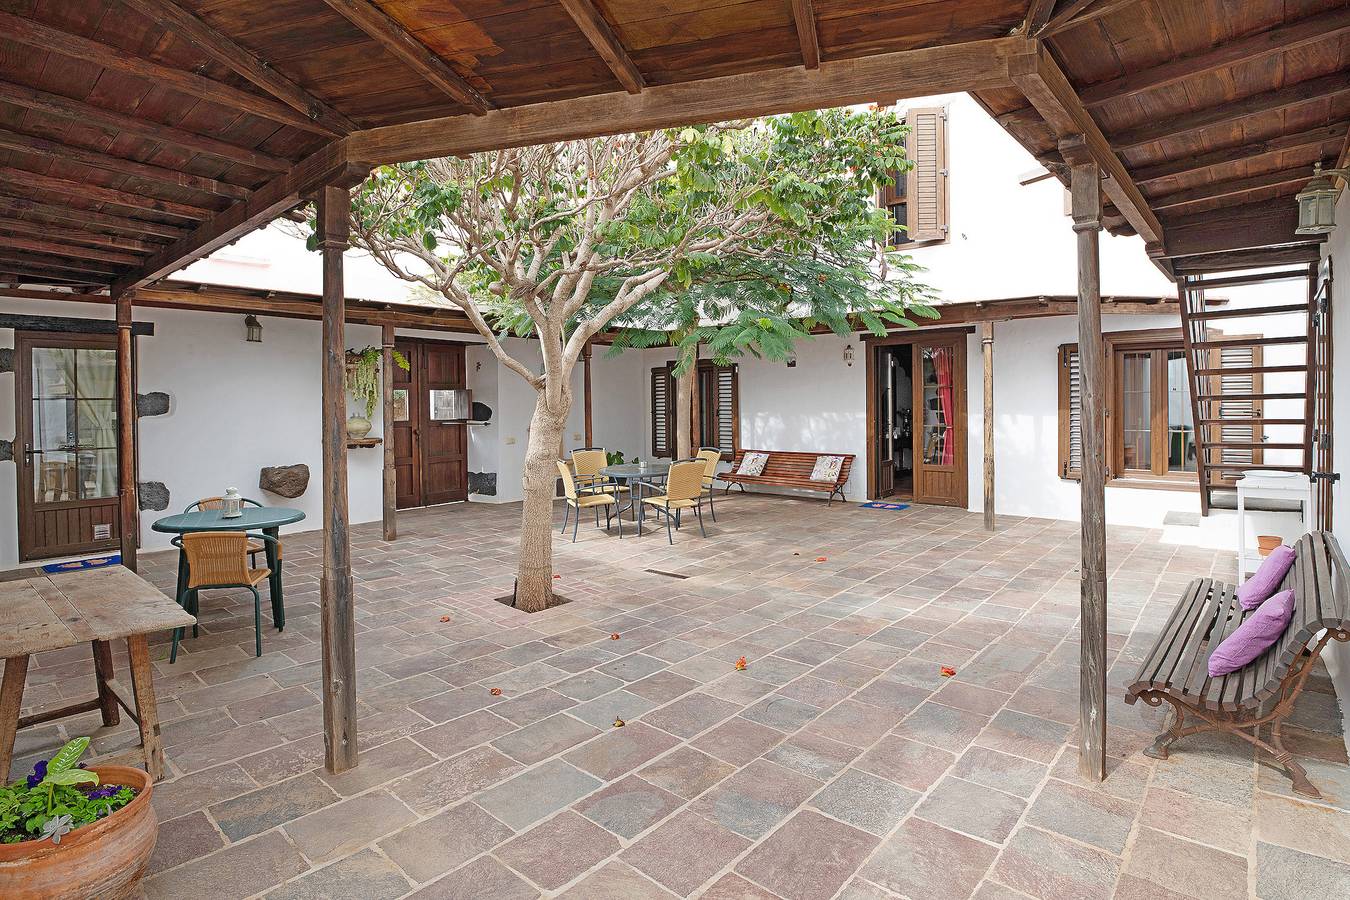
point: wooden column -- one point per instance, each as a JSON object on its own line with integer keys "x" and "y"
{"x": 1087, "y": 222}
{"x": 987, "y": 340}
{"x": 129, "y": 511}
{"x": 586, "y": 392}
{"x": 338, "y": 620}
{"x": 390, "y": 474}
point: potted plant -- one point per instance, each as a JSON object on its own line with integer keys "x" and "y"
{"x": 72, "y": 832}
{"x": 363, "y": 383}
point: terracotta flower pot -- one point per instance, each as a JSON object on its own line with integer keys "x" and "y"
{"x": 1265, "y": 543}
{"x": 103, "y": 860}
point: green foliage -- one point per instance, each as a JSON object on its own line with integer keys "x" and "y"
{"x": 363, "y": 375}
{"x": 57, "y": 798}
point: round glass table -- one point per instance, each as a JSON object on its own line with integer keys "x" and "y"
{"x": 632, "y": 476}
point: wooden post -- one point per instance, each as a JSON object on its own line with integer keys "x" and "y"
{"x": 586, "y": 392}
{"x": 338, "y": 619}
{"x": 987, "y": 339}
{"x": 129, "y": 512}
{"x": 1087, "y": 222}
{"x": 390, "y": 474}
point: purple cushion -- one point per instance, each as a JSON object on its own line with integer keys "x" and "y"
{"x": 1252, "y": 638}
{"x": 1254, "y": 591}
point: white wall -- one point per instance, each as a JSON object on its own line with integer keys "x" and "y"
{"x": 1337, "y": 249}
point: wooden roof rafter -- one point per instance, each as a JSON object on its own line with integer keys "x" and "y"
{"x": 1080, "y": 12}
{"x": 35, "y": 229}
{"x": 23, "y": 182}
{"x": 83, "y": 219}
{"x": 1192, "y": 164}
{"x": 1216, "y": 192}
{"x": 804, "y": 18}
{"x": 601, "y": 35}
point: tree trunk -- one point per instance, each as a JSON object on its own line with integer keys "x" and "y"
{"x": 534, "y": 575}
{"x": 684, "y": 412}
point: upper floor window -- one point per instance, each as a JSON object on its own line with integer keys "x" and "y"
{"x": 917, "y": 200}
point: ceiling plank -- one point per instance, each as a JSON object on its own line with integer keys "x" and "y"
{"x": 48, "y": 149}
{"x": 1080, "y": 12}
{"x": 1044, "y": 84}
{"x": 43, "y": 37}
{"x": 229, "y": 54}
{"x": 396, "y": 39}
{"x": 1235, "y": 187}
{"x": 115, "y": 122}
{"x": 606, "y": 43}
{"x": 1247, "y": 259}
{"x": 26, "y": 182}
{"x": 1291, "y": 95}
{"x": 9, "y": 259}
{"x": 971, "y": 66}
{"x": 804, "y": 16}
{"x": 87, "y": 219}
{"x": 1192, "y": 164}
{"x": 59, "y": 249}
{"x": 37, "y": 229}
{"x": 1253, "y": 47}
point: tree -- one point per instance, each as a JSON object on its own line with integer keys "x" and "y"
{"x": 562, "y": 241}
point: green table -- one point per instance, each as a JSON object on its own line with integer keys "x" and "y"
{"x": 267, "y": 519}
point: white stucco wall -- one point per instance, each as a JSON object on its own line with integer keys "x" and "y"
{"x": 1337, "y": 249}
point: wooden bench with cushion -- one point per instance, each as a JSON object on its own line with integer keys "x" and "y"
{"x": 1263, "y": 692}
{"x": 789, "y": 469}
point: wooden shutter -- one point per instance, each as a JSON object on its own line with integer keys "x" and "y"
{"x": 1237, "y": 384}
{"x": 1070, "y": 414}
{"x": 728, "y": 428}
{"x": 926, "y": 190}
{"x": 663, "y": 412}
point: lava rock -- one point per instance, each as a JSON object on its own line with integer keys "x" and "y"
{"x": 483, "y": 483}
{"x": 152, "y": 495}
{"x": 285, "y": 481}
{"x": 6, "y": 360}
{"x": 155, "y": 403}
{"x": 6, "y": 451}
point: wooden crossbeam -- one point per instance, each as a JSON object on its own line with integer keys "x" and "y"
{"x": 606, "y": 43}
{"x": 1250, "y": 227}
{"x": 71, "y": 217}
{"x": 34, "y": 34}
{"x": 1201, "y": 264}
{"x": 1237, "y": 187}
{"x": 115, "y": 123}
{"x": 1038, "y": 14}
{"x": 40, "y": 262}
{"x": 49, "y": 149}
{"x": 1248, "y": 49}
{"x": 229, "y": 54}
{"x": 26, "y": 182}
{"x": 30, "y": 228}
{"x": 54, "y": 247}
{"x": 1290, "y": 96}
{"x": 804, "y": 17}
{"x": 1080, "y": 12}
{"x": 1191, "y": 164}
{"x": 412, "y": 52}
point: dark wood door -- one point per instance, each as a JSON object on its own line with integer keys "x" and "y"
{"x": 940, "y": 475}
{"x": 885, "y": 424}
{"x": 66, "y": 404}
{"x": 430, "y": 458}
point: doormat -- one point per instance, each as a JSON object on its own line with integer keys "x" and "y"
{"x": 97, "y": 562}
{"x": 878, "y": 504}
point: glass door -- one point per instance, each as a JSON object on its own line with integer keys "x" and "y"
{"x": 940, "y": 417}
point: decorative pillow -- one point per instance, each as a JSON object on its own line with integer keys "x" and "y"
{"x": 1254, "y": 636}
{"x": 753, "y": 464}
{"x": 1254, "y": 591}
{"x": 827, "y": 468}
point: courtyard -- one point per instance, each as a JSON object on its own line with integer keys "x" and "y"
{"x": 840, "y": 762}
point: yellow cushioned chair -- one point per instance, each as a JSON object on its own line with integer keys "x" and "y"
{"x": 711, "y": 456}
{"x": 597, "y": 495}
{"x": 684, "y": 490}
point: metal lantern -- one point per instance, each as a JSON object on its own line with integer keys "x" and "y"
{"x": 1317, "y": 202}
{"x": 252, "y": 330}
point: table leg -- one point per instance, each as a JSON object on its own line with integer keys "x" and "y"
{"x": 182, "y": 577}
{"x": 11, "y": 699}
{"x": 274, "y": 580}
{"x": 147, "y": 711}
{"x": 103, "y": 673}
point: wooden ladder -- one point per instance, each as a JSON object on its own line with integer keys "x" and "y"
{"x": 1227, "y": 376}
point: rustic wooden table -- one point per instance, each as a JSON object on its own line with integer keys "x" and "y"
{"x": 96, "y": 605}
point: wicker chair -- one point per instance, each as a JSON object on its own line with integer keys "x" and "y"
{"x": 597, "y": 495}
{"x": 684, "y": 490}
{"x": 255, "y": 546}
{"x": 711, "y": 456}
{"x": 219, "y": 559}
{"x": 587, "y": 463}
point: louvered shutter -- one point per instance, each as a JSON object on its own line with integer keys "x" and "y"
{"x": 927, "y": 187}
{"x": 1070, "y": 413}
{"x": 1236, "y": 409}
{"x": 728, "y": 411}
{"x": 663, "y": 411}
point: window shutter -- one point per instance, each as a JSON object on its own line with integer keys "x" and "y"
{"x": 1238, "y": 432}
{"x": 663, "y": 412}
{"x": 728, "y": 411}
{"x": 927, "y": 187}
{"x": 1070, "y": 414}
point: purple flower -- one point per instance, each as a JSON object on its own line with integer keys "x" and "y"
{"x": 105, "y": 792}
{"x": 39, "y": 773}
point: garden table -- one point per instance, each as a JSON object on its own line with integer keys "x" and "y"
{"x": 53, "y": 612}
{"x": 632, "y": 475}
{"x": 267, "y": 519}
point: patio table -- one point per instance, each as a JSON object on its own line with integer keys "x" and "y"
{"x": 629, "y": 473}
{"x": 267, "y": 519}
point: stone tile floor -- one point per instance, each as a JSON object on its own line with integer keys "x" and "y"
{"x": 840, "y": 763}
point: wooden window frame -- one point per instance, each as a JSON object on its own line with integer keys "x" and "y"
{"x": 706, "y": 368}
{"x": 888, "y": 198}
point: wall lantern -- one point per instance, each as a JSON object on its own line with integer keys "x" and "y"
{"x": 1317, "y": 202}
{"x": 848, "y": 354}
{"x": 252, "y": 330}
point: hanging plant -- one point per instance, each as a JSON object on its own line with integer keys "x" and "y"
{"x": 363, "y": 375}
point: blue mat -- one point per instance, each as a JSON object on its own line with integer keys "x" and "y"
{"x": 98, "y": 562}
{"x": 879, "y": 504}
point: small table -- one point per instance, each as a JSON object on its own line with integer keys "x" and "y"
{"x": 53, "y": 612}
{"x": 1293, "y": 489}
{"x": 628, "y": 473}
{"x": 267, "y": 519}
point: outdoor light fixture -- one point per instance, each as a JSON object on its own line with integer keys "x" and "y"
{"x": 848, "y": 354}
{"x": 1317, "y": 202}
{"x": 252, "y": 330}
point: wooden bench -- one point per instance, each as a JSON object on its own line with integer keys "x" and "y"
{"x": 786, "y": 468}
{"x": 1263, "y": 692}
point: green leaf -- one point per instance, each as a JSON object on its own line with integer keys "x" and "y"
{"x": 72, "y": 777}
{"x": 68, "y": 756}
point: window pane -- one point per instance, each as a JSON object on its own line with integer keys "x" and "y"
{"x": 54, "y": 477}
{"x": 1180, "y": 423}
{"x": 939, "y": 407}
{"x": 96, "y": 374}
{"x": 53, "y": 424}
{"x": 98, "y": 423}
{"x": 53, "y": 372}
{"x": 1136, "y": 392}
{"x": 98, "y": 474}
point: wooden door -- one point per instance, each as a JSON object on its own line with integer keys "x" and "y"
{"x": 885, "y": 424}
{"x": 66, "y": 404}
{"x": 430, "y": 458}
{"x": 408, "y": 476}
{"x": 940, "y": 475}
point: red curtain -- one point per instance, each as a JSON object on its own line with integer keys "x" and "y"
{"x": 942, "y": 368}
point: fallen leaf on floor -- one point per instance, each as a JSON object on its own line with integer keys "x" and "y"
{"x": 795, "y": 553}
{"x": 947, "y": 671}
{"x": 619, "y": 723}
{"x": 741, "y": 664}
{"x": 614, "y": 636}
{"x": 496, "y": 692}
{"x": 445, "y": 618}
{"x": 820, "y": 559}
{"x": 557, "y": 576}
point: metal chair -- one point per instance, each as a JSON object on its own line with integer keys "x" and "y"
{"x": 219, "y": 559}
{"x": 684, "y": 490}
{"x": 711, "y": 456}
{"x": 597, "y": 495}
{"x": 255, "y": 546}
{"x": 587, "y": 464}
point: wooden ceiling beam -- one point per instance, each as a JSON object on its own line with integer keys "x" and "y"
{"x": 1251, "y": 227}
{"x": 804, "y": 17}
{"x": 28, "y": 183}
{"x": 1192, "y": 164}
{"x": 1044, "y": 84}
{"x": 1251, "y": 48}
{"x": 49, "y": 149}
{"x": 412, "y": 52}
{"x": 43, "y": 37}
{"x": 1080, "y": 12}
{"x": 971, "y": 66}
{"x": 1038, "y": 15}
{"x": 36, "y": 229}
{"x": 72, "y": 217}
{"x": 120, "y": 123}
{"x": 59, "y": 249}
{"x": 1236, "y": 187}
{"x": 234, "y": 57}
{"x": 606, "y": 43}
{"x": 1290, "y": 96}
{"x": 9, "y": 259}
{"x": 1247, "y": 259}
